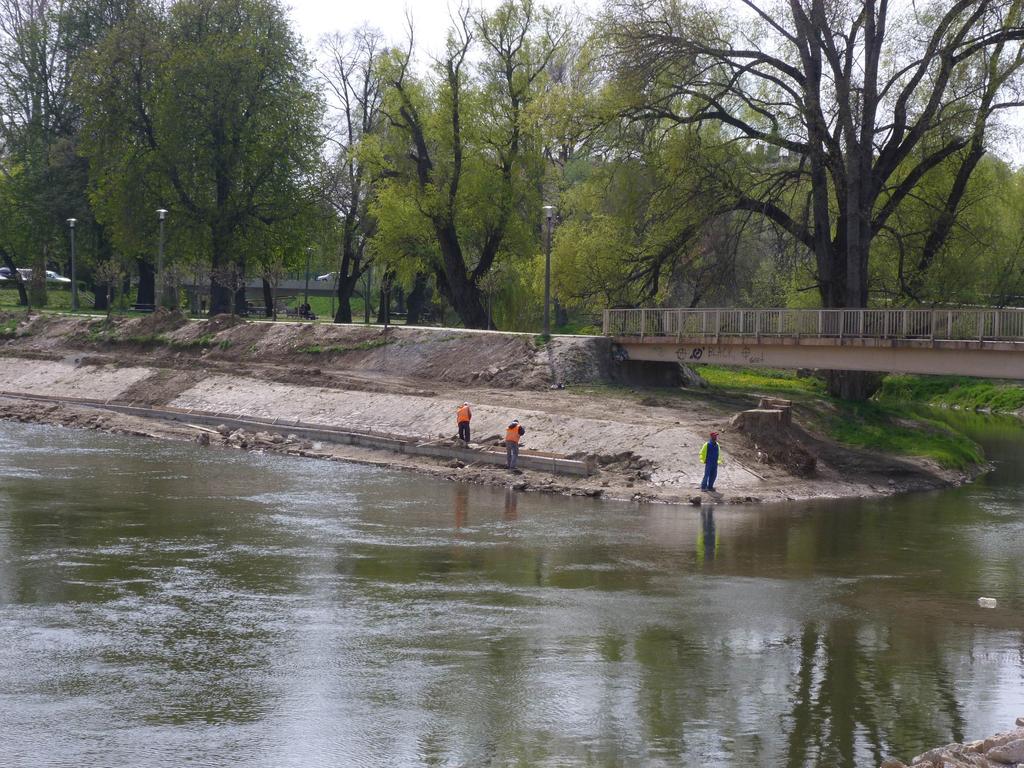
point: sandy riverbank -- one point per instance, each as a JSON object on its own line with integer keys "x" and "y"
{"x": 407, "y": 383}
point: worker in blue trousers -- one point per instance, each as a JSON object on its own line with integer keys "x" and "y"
{"x": 709, "y": 456}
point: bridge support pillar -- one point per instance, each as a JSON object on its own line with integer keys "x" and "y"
{"x": 648, "y": 373}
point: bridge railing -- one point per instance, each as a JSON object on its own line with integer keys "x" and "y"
{"x": 942, "y": 324}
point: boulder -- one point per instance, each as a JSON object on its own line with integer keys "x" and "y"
{"x": 1011, "y": 753}
{"x": 1001, "y": 738}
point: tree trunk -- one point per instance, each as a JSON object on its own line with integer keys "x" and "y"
{"x": 346, "y": 289}
{"x": 16, "y": 277}
{"x": 417, "y": 300}
{"x": 384, "y": 300}
{"x": 241, "y": 304}
{"x": 220, "y": 295}
{"x": 268, "y": 299}
{"x": 220, "y": 298}
{"x": 462, "y": 293}
{"x": 147, "y": 283}
{"x": 37, "y": 285}
{"x": 100, "y": 298}
{"x": 857, "y": 386}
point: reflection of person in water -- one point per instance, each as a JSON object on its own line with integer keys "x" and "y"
{"x": 461, "y": 504}
{"x": 511, "y": 504}
{"x": 707, "y": 539}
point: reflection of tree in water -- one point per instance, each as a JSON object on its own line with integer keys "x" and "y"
{"x": 854, "y": 696}
{"x": 511, "y": 505}
{"x": 461, "y": 505}
{"x": 844, "y": 688}
{"x": 707, "y": 537}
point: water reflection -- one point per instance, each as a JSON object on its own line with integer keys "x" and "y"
{"x": 208, "y": 607}
{"x": 461, "y": 504}
{"x": 707, "y": 540}
{"x": 511, "y": 505}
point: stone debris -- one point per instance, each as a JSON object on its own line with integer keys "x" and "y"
{"x": 999, "y": 751}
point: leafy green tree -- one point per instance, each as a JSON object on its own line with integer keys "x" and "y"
{"x": 205, "y": 107}
{"x": 862, "y": 100}
{"x": 40, "y": 121}
{"x": 466, "y": 157}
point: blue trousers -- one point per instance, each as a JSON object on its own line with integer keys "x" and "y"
{"x": 710, "y": 474}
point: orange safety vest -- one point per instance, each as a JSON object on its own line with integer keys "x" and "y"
{"x": 512, "y": 434}
{"x": 463, "y": 414}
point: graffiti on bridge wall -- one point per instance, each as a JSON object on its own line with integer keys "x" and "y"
{"x": 725, "y": 355}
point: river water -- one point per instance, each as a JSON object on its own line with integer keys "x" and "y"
{"x": 167, "y": 605}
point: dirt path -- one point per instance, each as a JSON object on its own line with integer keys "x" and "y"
{"x": 408, "y": 384}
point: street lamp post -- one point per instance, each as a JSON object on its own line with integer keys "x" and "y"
{"x": 549, "y": 215}
{"x": 309, "y": 253}
{"x": 74, "y": 274}
{"x": 160, "y": 297}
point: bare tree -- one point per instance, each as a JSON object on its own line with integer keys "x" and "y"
{"x": 350, "y": 75}
{"x": 108, "y": 274}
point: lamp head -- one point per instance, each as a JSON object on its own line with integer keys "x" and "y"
{"x": 72, "y": 222}
{"x": 161, "y": 213}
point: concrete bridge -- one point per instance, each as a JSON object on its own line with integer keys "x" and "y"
{"x": 987, "y": 343}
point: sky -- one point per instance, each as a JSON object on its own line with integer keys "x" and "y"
{"x": 431, "y": 19}
{"x": 315, "y": 18}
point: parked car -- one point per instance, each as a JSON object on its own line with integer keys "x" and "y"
{"x": 51, "y": 276}
{"x": 326, "y": 278}
{"x": 5, "y": 274}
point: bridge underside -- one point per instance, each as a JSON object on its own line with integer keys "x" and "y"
{"x": 985, "y": 359}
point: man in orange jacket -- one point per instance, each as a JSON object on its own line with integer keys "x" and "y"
{"x": 463, "y": 415}
{"x": 513, "y": 435}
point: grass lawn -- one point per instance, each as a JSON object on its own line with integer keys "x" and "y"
{"x": 954, "y": 392}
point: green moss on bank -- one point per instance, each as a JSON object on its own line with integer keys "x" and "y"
{"x": 764, "y": 380}
{"x": 906, "y": 431}
{"x": 888, "y": 426}
{"x": 317, "y": 349}
{"x": 953, "y": 392}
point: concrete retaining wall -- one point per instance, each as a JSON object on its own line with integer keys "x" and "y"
{"x": 540, "y": 463}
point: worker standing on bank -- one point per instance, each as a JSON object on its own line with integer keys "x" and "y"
{"x": 513, "y": 434}
{"x": 709, "y": 456}
{"x": 463, "y": 416}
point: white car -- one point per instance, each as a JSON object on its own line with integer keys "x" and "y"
{"x": 51, "y": 276}
{"x": 326, "y": 278}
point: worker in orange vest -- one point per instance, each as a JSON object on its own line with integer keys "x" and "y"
{"x": 463, "y": 415}
{"x": 513, "y": 435}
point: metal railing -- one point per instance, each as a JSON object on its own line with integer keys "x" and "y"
{"x": 929, "y": 324}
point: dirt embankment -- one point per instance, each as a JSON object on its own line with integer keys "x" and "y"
{"x": 408, "y": 382}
